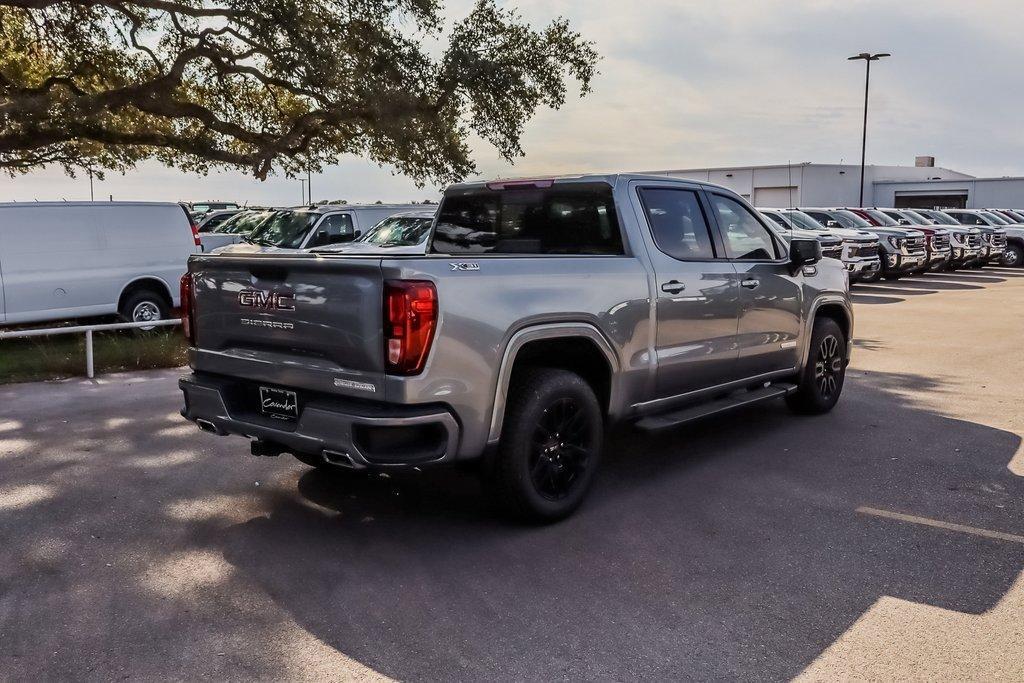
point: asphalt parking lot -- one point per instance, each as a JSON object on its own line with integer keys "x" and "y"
{"x": 884, "y": 540}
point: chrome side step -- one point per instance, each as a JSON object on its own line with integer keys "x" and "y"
{"x": 726, "y": 403}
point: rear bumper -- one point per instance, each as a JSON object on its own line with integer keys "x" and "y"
{"x": 354, "y": 434}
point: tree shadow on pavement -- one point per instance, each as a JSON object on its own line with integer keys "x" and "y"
{"x": 727, "y": 549}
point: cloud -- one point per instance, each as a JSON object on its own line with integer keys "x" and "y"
{"x": 688, "y": 84}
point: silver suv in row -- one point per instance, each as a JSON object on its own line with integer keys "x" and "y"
{"x": 859, "y": 250}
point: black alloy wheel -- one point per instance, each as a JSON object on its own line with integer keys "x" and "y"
{"x": 828, "y": 367}
{"x": 560, "y": 450}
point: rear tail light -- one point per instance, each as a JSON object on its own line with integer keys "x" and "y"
{"x": 410, "y": 315}
{"x": 187, "y": 314}
{"x": 195, "y": 234}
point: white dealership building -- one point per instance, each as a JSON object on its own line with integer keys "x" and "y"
{"x": 808, "y": 184}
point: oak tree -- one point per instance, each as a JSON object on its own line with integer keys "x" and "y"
{"x": 274, "y": 85}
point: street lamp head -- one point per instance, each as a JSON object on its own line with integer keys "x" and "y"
{"x": 868, "y": 57}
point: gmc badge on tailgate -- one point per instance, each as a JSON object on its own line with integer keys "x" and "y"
{"x": 253, "y": 298}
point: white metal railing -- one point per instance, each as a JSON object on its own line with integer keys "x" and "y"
{"x": 88, "y": 330}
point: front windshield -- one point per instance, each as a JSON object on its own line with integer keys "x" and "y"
{"x": 803, "y": 221}
{"x": 849, "y": 219}
{"x": 918, "y": 218}
{"x": 994, "y": 219}
{"x": 398, "y": 231}
{"x": 285, "y": 229}
{"x": 882, "y": 217}
{"x": 940, "y": 217}
{"x": 243, "y": 223}
{"x": 778, "y": 219}
{"x": 1015, "y": 216}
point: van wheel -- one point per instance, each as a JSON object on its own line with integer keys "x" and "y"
{"x": 821, "y": 381}
{"x": 144, "y": 306}
{"x": 550, "y": 446}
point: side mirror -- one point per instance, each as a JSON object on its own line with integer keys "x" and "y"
{"x": 831, "y": 224}
{"x": 357, "y": 234}
{"x": 803, "y": 252}
{"x": 904, "y": 221}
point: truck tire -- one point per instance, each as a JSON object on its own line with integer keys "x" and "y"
{"x": 821, "y": 381}
{"x": 550, "y": 446}
{"x": 1013, "y": 256}
{"x": 144, "y": 305}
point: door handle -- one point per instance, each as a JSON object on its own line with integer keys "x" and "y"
{"x": 750, "y": 283}
{"x": 673, "y": 287}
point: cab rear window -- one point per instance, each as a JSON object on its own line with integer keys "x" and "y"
{"x": 567, "y": 218}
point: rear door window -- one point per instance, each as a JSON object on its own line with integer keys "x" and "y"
{"x": 678, "y": 223}
{"x": 565, "y": 218}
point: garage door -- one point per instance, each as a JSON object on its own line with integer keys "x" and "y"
{"x": 775, "y": 197}
{"x": 956, "y": 200}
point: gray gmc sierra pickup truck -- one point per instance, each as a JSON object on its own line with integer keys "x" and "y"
{"x": 543, "y": 311}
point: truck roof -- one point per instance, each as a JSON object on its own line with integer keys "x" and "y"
{"x": 608, "y": 178}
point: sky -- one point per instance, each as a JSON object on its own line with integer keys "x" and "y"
{"x": 693, "y": 84}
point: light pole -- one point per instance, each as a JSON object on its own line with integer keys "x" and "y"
{"x": 868, "y": 58}
{"x": 303, "y": 182}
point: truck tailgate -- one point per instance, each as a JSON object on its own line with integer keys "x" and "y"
{"x": 297, "y": 321}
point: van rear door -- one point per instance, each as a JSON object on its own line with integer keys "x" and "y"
{"x": 141, "y": 241}
{"x": 3, "y": 304}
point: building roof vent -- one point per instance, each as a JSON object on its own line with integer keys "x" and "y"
{"x": 924, "y": 162}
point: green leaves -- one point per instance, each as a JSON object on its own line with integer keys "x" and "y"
{"x": 273, "y": 86}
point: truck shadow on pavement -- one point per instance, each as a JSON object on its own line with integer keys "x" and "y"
{"x": 728, "y": 549}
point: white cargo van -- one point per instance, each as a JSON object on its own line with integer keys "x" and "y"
{"x": 61, "y": 260}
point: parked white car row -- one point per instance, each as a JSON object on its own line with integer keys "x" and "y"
{"x": 893, "y": 243}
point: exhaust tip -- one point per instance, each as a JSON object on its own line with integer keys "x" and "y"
{"x": 340, "y": 459}
{"x": 209, "y": 427}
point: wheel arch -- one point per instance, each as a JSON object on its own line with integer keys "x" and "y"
{"x": 146, "y": 282}
{"x": 835, "y": 307}
{"x": 592, "y": 356}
